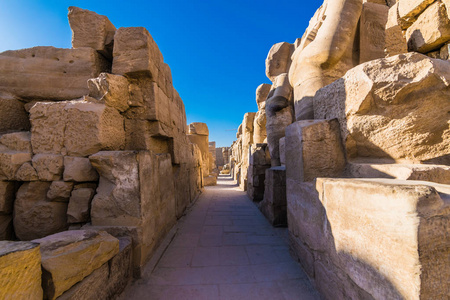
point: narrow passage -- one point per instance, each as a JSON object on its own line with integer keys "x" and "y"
{"x": 225, "y": 249}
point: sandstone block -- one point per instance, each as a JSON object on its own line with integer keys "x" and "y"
{"x": 26, "y": 172}
{"x": 10, "y": 162}
{"x": 79, "y": 169}
{"x": 372, "y": 31}
{"x": 13, "y": 116}
{"x": 79, "y": 204}
{"x": 7, "y": 195}
{"x": 17, "y": 141}
{"x": 274, "y": 203}
{"x": 409, "y": 10}
{"x": 198, "y": 128}
{"x": 49, "y": 167}
{"x": 395, "y": 42}
{"x": 6, "y": 228}
{"x": 135, "y": 51}
{"x": 70, "y": 256}
{"x": 387, "y": 113}
{"x": 60, "y": 191}
{"x": 20, "y": 271}
{"x": 430, "y": 31}
{"x": 259, "y": 161}
{"x": 91, "y": 30}
{"x": 313, "y": 149}
{"x": 49, "y": 73}
{"x": 34, "y": 215}
{"x": 111, "y": 90}
{"x": 210, "y": 180}
{"x": 278, "y": 60}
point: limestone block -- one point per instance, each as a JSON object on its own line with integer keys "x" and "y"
{"x": 7, "y": 195}
{"x": 34, "y": 215}
{"x": 70, "y": 256}
{"x": 10, "y": 162}
{"x": 397, "y": 96}
{"x": 20, "y": 270}
{"x": 395, "y": 42}
{"x": 79, "y": 169}
{"x": 409, "y": 10}
{"x": 13, "y": 116}
{"x": 209, "y": 180}
{"x": 49, "y": 73}
{"x": 198, "y": 128}
{"x": 117, "y": 201}
{"x": 313, "y": 149}
{"x": 17, "y": 141}
{"x": 274, "y": 204}
{"x": 138, "y": 136}
{"x": 6, "y": 228}
{"x": 378, "y": 242}
{"x": 135, "y": 51}
{"x": 278, "y": 60}
{"x": 182, "y": 182}
{"x": 374, "y": 169}
{"x": 430, "y": 31}
{"x": 79, "y": 204}
{"x": 60, "y": 191}
{"x": 26, "y": 172}
{"x": 372, "y": 32}
{"x": 49, "y": 167}
{"x": 91, "y": 128}
{"x": 113, "y": 277}
{"x": 111, "y": 90}
{"x": 91, "y": 30}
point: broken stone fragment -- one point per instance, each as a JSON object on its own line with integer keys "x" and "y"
{"x": 49, "y": 73}
{"x": 49, "y": 167}
{"x": 26, "y": 172}
{"x": 13, "y": 116}
{"x": 409, "y": 10}
{"x": 79, "y": 169}
{"x": 35, "y": 216}
{"x": 90, "y": 29}
{"x": 111, "y": 90}
{"x": 70, "y": 256}
{"x": 17, "y": 141}
{"x": 60, "y": 191}
{"x": 278, "y": 60}
{"x": 10, "y": 162}
{"x": 79, "y": 205}
{"x": 395, "y": 42}
{"x": 20, "y": 271}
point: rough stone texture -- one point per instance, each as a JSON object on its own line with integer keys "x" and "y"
{"x": 49, "y": 167}
{"x": 27, "y": 173}
{"x": 79, "y": 169}
{"x": 112, "y": 277}
{"x": 49, "y": 73}
{"x": 395, "y": 42}
{"x": 17, "y": 141}
{"x": 60, "y": 191}
{"x": 111, "y": 90}
{"x": 274, "y": 204}
{"x": 278, "y": 60}
{"x": 258, "y": 163}
{"x": 20, "y": 271}
{"x": 34, "y": 215}
{"x": 10, "y": 163}
{"x": 75, "y": 128}
{"x": 259, "y": 125}
{"x": 372, "y": 32}
{"x": 7, "y": 195}
{"x": 91, "y": 30}
{"x": 198, "y": 128}
{"x": 70, "y": 256}
{"x": 313, "y": 149}
{"x": 430, "y": 31}
{"x": 79, "y": 205}
{"x": 13, "y": 116}
{"x": 384, "y": 108}
{"x": 408, "y": 10}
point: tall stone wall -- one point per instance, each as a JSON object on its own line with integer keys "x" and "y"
{"x": 94, "y": 137}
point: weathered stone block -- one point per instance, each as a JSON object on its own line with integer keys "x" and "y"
{"x": 408, "y": 10}
{"x": 274, "y": 203}
{"x": 372, "y": 32}
{"x": 91, "y": 30}
{"x": 79, "y": 169}
{"x": 27, "y": 173}
{"x": 111, "y": 90}
{"x": 383, "y": 108}
{"x": 283, "y": 151}
{"x": 20, "y": 271}
{"x": 10, "y": 162}
{"x": 17, "y": 141}
{"x": 49, "y": 167}
{"x": 79, "y": 204}
{"x": 313, "y": 149}
{"x": 34, "y": 215}
{"x": 198, "y": 129}
{"x": 49, "y": 73}
{"x": 210, "y": 180}
{"x": 13, "y": 116}
{"x": 60, "y": 191}
{"x": 259, "y": 161}
{"x": 278, "y": 60}
{"x": 395, "y": 42}
{"x": 70, "y": 256}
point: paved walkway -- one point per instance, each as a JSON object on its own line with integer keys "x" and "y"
{"x": 225, "y": 249}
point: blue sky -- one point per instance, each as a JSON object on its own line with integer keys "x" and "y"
{"x": 216, "y": 49}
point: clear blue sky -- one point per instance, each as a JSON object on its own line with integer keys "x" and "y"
{"x": 216, "y": 49}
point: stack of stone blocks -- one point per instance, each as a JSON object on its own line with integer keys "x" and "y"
{"x": 93, "y": 140}
{"x": 366, "y": 155}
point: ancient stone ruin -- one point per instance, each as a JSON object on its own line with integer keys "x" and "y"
{"x": 349, "y": 149}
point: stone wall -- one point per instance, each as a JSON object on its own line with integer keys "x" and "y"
{"x": 94, "y": 137}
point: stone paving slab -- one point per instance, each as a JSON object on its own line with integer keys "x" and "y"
{"x": 224, "y": 248}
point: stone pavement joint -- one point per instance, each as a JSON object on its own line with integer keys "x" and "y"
{"x": 224, "y": 249}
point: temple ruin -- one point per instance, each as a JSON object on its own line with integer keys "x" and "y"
{"x": 349, "y": 149}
